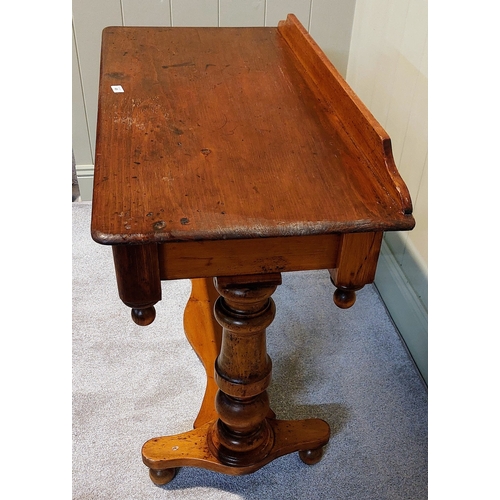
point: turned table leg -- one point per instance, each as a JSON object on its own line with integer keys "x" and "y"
{"x": 245, "y": 436}
{"x": 356, "y": 266}
{"x": 242, "y": 435}
{"x": 138, "y": 279}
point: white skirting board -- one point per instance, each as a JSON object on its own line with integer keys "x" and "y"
{"x": 406, "y": 308}
{"x": 85, "y": 174}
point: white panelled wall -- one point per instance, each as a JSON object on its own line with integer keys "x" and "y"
{"x": 380, "y": 46}
{"x": 387, "y": 69}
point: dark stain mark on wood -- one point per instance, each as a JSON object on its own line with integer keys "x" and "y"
{"x": 176, "y": 130}
{"x": 179, "y": 65}
{"x": 118, "y": 76}
{"x": 184, "y": 221}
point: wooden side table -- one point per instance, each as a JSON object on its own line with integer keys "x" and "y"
{"x": 229, "y": 156}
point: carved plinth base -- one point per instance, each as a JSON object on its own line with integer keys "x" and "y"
{"x": 236, "y": 431}
{"x": 194, "y": 448}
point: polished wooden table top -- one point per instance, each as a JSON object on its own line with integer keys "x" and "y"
{"x": 230, "y": 133}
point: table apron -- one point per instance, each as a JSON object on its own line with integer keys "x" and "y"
{"x": 203, "y": 259}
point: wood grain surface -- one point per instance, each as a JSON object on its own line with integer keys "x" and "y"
{"x": 223, "y": 133}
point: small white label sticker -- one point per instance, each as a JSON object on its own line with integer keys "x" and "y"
{"x": 117, "y": 88}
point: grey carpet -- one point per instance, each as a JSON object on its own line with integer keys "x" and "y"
{"x": 348, "y": 367}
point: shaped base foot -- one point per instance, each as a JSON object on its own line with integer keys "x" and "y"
{"x": 193, "y": 449}
{"x": 162, "y": 476}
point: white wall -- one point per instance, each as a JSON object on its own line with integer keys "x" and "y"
{"x": 387, "y": 68}
{"x": 329, "y": 22}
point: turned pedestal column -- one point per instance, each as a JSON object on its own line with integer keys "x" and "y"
{"x": 242, "y": 436}
{"x": 245, "y": 435}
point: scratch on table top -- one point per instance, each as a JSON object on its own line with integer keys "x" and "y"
{"x": 129, "y": 122}
{"x": 286, "y": 80}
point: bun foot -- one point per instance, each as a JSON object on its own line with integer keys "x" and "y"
{"x": 311, "y": 457}
{"x": 344, "y": 298}
{"x": 162, "y": 476}
{"x": 143, "y": 317}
